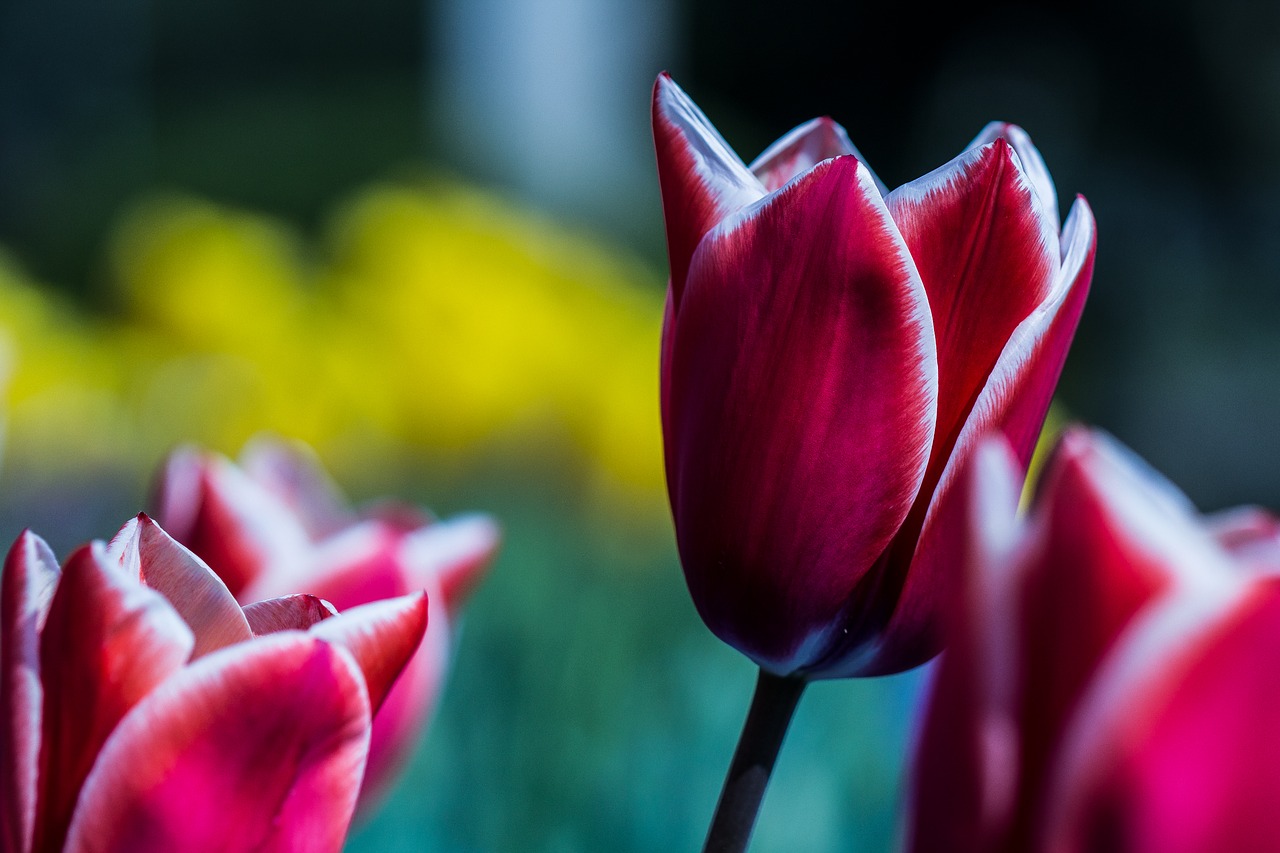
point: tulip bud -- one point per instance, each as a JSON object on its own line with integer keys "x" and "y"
{"x": 1109, "y": 680}
{"x": 831, "y": 352}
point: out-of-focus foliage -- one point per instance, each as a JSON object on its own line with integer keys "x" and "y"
{"x": 428, "y": 317}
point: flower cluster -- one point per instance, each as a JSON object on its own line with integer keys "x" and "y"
{"x": 276, "y": 524}
{"x": 140, "y": 700}
{"x": 1109, "y": 682}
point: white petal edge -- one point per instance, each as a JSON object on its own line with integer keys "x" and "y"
{"x": 1032, "y": 162}
{"x": 1020, "y": 347}
{"x": 721, "y": 170}
{"x": 917, "y": 192}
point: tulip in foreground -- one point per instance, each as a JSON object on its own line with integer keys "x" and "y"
{"x": 831, "y": 353}
{"x": 144, "y": 709}
{"x": 1110, "y": 682}
{"x": 276, "y": 525}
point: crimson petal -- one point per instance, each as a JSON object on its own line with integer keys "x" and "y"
{"x": 382, "y": 636}
{"x": 237, "y": 526}
{"x": 1029, "y": 156}
{"x": 26, "y": 589}
{"x": 701, "y": 178}
{"x": 987, "y": 256}
{"x": 1014, "y": 402}
{"x": 108, "y": 642}
{"x": 259, "y": 746}
{"x": 803, "y": 393}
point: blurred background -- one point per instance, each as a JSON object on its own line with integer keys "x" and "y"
{"x": 425, "y": 237}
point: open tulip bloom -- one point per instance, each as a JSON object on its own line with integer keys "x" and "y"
{"x": 144, "y": 709}
{"x": 1110, "y": 678}
{"x": 831, "y": 354}
{"x": 276, "y": 524}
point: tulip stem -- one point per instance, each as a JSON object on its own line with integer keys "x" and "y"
{"x": 772, "y": 706}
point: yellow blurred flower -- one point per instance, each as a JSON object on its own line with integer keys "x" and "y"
{"x": 432, "y": 317}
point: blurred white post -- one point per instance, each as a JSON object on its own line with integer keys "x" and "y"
{"x": 551, "y": 97}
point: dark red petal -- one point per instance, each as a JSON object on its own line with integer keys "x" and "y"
{"x": 701, "y": 178}
{"x": 800, "y": 150}
{"x": 801, "y": 410}
{"x": 1013, "y": 402}
{"x": 1029, "y": 156}
{"x": 988, "y": 258}
{"x": 382, "y": 636}
{"x": 296, "y": 612}
{"x": 455, "y": 553}
{"x": 237, "y": 526}
{"x": 291, "y": 471}
{"x": 26, "y": 589}
{"x": 200, "y": 596}
{"x": 107, "y": 643}
{"x": 259, "y": 746}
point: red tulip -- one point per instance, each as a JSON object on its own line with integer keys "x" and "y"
{"x": 277, "y": 525}
{"x": 831, "y": 352}
{"x": 145, "y": 710}
{"x": 1110, "y": 681}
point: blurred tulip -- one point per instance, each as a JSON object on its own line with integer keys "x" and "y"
{"x": 831, "y": 353}
{"x": 1109, "y": 682}
{"x": 145, "y": 710}
{"x": 276, "y": 525}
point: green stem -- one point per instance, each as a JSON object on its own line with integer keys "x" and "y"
{"x": 771, "y": 708}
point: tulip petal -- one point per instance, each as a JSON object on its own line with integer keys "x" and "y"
{"x": 987, "y": 257}
{"x": 1103, "y": 549}
{"x": 26, "y": 589}
{"x": 701, "y": 178}
{"x": 199, "y": 595}
{"x": 361, "y": 564}
{"x": 1014, "y": 402}
{"x": 1029, "y": 156}
{"x": 365, "y": 563}
{"x": 382, "y": 636}
{"x": 1191, "y": 760}
{"x": 296, "y": 612}
{"x": 803, "y": 393}
{"x": 108, "y": 642}
{"x": 291, "y": 471}
{"x": 803, "y": 148}
{"x": 236, "y": 525}
{"x": 456, "y": 553}
{"x": 966, "y": 760}
{"x": 258, "y": 747}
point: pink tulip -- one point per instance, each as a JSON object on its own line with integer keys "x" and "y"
{"x": 145, "y": 710}
{"x": 277, "y": 525}
{"x": 830, "y": 355}
{"x": 1110, "y": 680}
